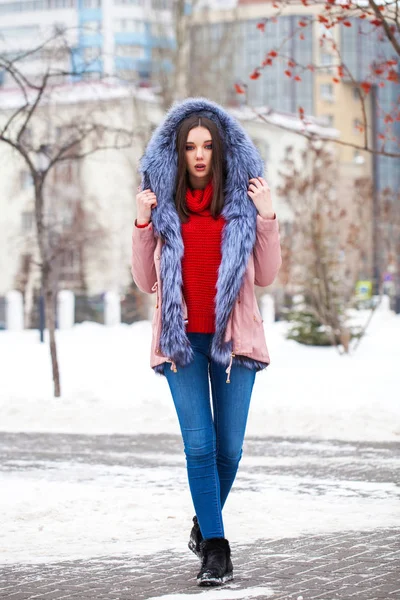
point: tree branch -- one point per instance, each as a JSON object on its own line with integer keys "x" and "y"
{"x": 33, "y": 107}
{"x": 391, "y": 37}
{"x": 310, "y": 135}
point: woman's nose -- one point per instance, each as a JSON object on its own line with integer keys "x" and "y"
{"x": 199, "y": 153}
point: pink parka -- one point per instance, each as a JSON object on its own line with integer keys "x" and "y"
{"x": 245, "y": 325}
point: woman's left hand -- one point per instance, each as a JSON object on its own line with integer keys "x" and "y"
{"x": 260, "y": 193}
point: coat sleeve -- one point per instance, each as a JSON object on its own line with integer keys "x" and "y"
{"x": 143, "y": 247}
{"x": 267, "y": 251}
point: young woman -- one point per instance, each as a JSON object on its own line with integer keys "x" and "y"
{"x": 205, "y": 234}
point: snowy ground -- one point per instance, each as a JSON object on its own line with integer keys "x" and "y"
{"x": 75, "y": 497}
{"x": 84, "y": 495}
{"x": 108, "y": 386}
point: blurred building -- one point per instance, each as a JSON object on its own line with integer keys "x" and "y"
{"x": 134, "y": 39}
{"x": 233, "y": 43}
{"x": 101, "y": 185}
{"x": 104, "y": 37}
{"x": 89, "y": 202}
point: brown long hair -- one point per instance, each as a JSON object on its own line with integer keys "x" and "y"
{"x": 218, "y": 169}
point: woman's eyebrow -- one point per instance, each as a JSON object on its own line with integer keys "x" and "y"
{"x": 206, "y": 142}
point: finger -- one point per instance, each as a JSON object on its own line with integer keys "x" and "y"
{"x": 253, "y": 188}
{"x": 264, "y": 182}
{"x": 150, "y": 204}
{"x": 256, "y": 182}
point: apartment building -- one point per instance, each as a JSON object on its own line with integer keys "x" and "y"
{"x": 235, "y": 42}
{"x": 105, "y": 37}
{"x": 103, "y": 184}
{"x": 236, "y": 33}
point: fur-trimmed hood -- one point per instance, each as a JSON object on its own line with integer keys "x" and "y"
{"x": 159, "y": 170}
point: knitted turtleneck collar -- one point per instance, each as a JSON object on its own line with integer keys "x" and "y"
{"x": 199, "y": 201}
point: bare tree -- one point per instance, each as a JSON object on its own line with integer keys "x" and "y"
{"x": 73, "y": 229}
{"x": 375, "y": 23}
{"x": 45, "y": 134}
{"x": 327, "y": 244}
{"x": 388, "y": 239}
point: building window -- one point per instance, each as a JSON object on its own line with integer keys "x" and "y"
{"x": 326, "y": 92}
{"x": 91, "y": 75}
{"x": 91, "y": 3}
{"x": 161, "y": 4}
{"x": 159, "y": 29}
{"x": 91, "y": 53}
{"x": 27, "y": 220}
{"x": 65, "y": 172}
{"x": 358, "y": 158}
{"x": 129, "y": 25}
{"x": 92, "y": 27}
{"x": 263, "y": 148}
{"x": 26, "y": 180}
{"x": 327, "y": 120}
{"x": 328, "y": 33}
{"x": 326, "y": 59}
{"x": 357, "y": 126}
{"x": 130, "y": 51}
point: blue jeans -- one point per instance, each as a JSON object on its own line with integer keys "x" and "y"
{"x": 212, "y": 440}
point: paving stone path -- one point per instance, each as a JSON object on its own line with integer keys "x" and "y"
{"x": 345, "y": 565}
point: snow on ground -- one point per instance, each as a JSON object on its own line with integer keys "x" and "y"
{"x": 54, "y": 510}
{"x": 108, "y": 386}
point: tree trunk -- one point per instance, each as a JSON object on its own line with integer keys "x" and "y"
{"x": 29, "y": 290}
{"x": 51, "y": 326}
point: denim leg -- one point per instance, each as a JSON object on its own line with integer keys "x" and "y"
{"x": 231, "y": 402}
{"x": 190, "y": 391}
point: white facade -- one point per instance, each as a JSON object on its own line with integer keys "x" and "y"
{"x": 108, "y": 178}
{"x": 107, "y": 188}
{"x": 273, "y": 132}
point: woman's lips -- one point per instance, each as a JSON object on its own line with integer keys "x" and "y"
{"x": 200, "y": 167}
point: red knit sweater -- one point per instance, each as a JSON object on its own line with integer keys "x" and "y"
{"x": 202, "y": 256}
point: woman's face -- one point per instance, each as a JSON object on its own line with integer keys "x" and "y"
{"x": 199, "y": 154}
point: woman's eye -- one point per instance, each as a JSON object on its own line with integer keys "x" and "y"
{"x": 209, "y": 146}
{"x": 189, "y": 147}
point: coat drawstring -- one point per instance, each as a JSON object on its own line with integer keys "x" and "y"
{"x": 228, "y": 370}
{"x": 173, "y": 365}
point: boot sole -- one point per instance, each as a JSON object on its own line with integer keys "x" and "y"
{"x": 214, "y": 581}
{"x": 193, "y": 548}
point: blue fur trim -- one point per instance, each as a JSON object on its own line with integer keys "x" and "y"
{"x": 249, "y": 363}
{"x": 158, "y": 167}
{"x": 159, "y": 369}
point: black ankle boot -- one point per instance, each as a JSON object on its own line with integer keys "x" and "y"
{"x": 216, "y": 567}
{"x": 195, "y": 538}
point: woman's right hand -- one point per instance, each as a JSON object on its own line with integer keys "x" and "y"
{"x": 145, "y": 201}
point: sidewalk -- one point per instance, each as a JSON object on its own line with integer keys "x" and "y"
{"x": 340, "y": 562}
